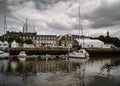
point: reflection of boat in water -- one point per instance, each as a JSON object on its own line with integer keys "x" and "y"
{"x": 4, "y": 54}
{"x": 22, "y": 56}
{"x": 82, "y": 53}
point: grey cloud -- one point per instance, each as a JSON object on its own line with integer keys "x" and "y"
{"x": 4, "y": 8}
{"x": 107, "y": 15}
{"x": 44, "y": 4}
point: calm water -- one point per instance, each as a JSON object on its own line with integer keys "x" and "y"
{"x": 74, "y": 72}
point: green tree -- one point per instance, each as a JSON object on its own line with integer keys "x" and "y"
{"x": 110, "y": 40}
{"x": 28, "y": 41}
{"x": 19, "y": 40}
{"x": 11, "y": 39}
{"x": 2, "y": 38}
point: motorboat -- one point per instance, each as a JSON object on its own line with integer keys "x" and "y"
{"x": 3, "y": 54}
{"x": 22, "y": 56}
{"x": 82, "y": 53}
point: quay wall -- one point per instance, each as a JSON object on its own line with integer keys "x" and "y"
{"x": 58, "y": 51}
{"x": 95, "y": 52}
{"x": 39, "y": 51}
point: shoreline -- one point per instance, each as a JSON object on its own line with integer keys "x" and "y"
{"x": 63, "y": 51}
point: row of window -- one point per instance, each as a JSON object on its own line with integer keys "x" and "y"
{"x": 70, "y": 38}
{"x": 40, "y": 38}
{"x": 51, "y": 42}
{"x": 46, "y": 38}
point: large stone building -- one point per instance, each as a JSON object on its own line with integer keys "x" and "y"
{"x": 67, "y": 40}
{"x": 38, "y": 40}
{"x": 45, "y": 40}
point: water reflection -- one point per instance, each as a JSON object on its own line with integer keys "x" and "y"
{"x": 30, "y": 67}
{"x": 109, "y": 66}
{"x": 73, "y": 72}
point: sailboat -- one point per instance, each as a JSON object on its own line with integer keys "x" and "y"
{"x": 82, "y": 53}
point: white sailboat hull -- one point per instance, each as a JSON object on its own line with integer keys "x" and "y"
{"x": 4, "y": 55}
{"x": 80, "y": 54}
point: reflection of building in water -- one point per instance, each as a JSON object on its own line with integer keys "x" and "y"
{"x": 27, "y": 70}
{"x": 28, "y": 67}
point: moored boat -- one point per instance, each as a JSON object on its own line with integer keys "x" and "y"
{"x": 3, "y": 54}
{"x": 82, "y": 53}
{"x": 22, "y": 56}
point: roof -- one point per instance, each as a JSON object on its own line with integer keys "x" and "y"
{"x": 91, "y": 40}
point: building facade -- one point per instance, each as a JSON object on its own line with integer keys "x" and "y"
{"x": 67, "y": 40}
{"x": 47, "y": 40}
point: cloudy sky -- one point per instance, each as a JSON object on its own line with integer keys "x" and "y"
{"x": 61, "y": 16}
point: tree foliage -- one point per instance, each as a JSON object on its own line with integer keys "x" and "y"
{"x": 109, "y": 40}
{"x": 28, "y": 41}
{"x": 17, "y": 39}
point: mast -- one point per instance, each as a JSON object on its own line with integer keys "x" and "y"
{"x": 5, "y": 26}
{"x": 80, "y": 26}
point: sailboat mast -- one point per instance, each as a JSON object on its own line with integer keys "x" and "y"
{"x": 80, "y": 26}
{"x": 5, "y": 26}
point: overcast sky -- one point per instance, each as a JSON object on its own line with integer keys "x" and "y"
{"x": 61, "y": 16}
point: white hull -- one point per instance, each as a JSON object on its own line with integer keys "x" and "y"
{"x": 80, "y": 54}
{"x": 22, "y": 56}
{"x": 4, "y": 55}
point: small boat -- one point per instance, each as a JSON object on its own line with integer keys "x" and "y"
{"x": 3, "y": 54}
{"x": 22, "y": 56}
{"x": 82, "y": 53}
{"x": 22, "y": 53}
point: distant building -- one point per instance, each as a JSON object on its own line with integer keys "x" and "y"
{"x": 67, "y": 40}
{"x": 38, "y": 40}
{"x": 108, "y": 34}
{"x": 91, "y": 43}
{"x": 45, "y": 40}
{"x": 28, "y": 27}
{"x": 14, "y": 44}
{"x": 109, "y": 46}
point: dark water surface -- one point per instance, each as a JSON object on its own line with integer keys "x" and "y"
{"x": 74, "y": 72}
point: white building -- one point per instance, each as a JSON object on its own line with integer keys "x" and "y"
{"x": 14, "y": 44}
{"x": 90, "y": 43}
{"x": 28, "y": 27}
{"x": 109, "y": 46}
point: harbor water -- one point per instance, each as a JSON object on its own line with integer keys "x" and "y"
{"x": 97, "y": 71}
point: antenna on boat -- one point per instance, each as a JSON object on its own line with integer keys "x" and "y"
{"x": 80, "y": 26}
